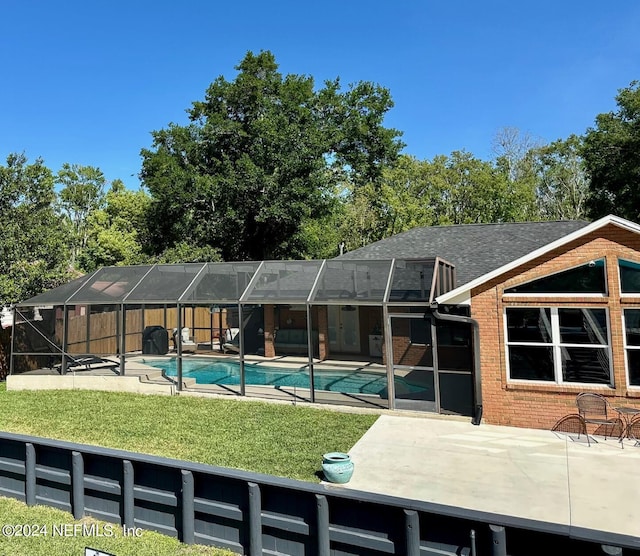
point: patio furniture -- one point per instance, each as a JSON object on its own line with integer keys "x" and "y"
{"x": 232, "y": 343}
{"x": 293, "y": 340}
{"x": 627, "y": 413}
{"x": 187, "y": 342}
{"x": 91, "y": 363}
{"x": 596, "y": 410}
{"x": 571, "y": 424}
{"x": 633, "y": 429}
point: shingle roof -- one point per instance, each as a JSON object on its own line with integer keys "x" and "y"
{"x": 474, "y": 249}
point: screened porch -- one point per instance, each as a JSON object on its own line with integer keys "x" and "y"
{"x": 330, "y": 331}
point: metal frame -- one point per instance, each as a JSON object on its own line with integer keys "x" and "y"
{"x": 438, "y": 284}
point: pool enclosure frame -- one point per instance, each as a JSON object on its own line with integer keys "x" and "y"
{"x": 386, "y": 283}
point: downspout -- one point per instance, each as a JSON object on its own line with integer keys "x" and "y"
{"x": 477, "y": 378}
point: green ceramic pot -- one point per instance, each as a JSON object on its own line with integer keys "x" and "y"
{"x": 337, "y": 467}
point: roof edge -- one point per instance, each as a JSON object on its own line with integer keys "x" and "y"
{"x": 465, "y": 289}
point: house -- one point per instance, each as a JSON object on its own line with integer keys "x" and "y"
{"x": 502, "y": 322}
{"x": 557, "y": 307}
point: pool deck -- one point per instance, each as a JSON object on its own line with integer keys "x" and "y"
{"x": 144, "y": 379}
{"x": 526, "y": 473}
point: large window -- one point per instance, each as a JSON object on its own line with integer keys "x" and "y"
{"x": 589, "y": 278}
{"x": 632, "y": 343}
{"x": 629, "y": 276}
{"x": 558, "y": 345}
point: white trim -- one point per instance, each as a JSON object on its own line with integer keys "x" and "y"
{"x": 465, "y": 289}
{"x": 563, "y": 296}
{"x": 627, "y": 347}
{"x": 625, "y": 294}
{"x": 462, "y": 298}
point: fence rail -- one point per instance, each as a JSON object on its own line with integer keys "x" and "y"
{"x": 256, "y": 514}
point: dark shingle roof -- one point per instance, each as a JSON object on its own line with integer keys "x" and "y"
{"x": 474, "y": 249}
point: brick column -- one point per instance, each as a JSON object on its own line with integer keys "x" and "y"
{"x": 322, "y": 322}
{"x": 269, "y": 330}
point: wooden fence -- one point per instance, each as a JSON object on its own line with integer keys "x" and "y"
{"x": 98, "y": 333}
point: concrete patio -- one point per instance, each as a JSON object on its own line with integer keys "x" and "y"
{"x": 533, "y": 474}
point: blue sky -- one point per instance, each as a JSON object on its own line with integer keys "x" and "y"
{"x": 86, "y": 82}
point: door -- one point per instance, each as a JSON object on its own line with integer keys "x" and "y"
{"x": 344, "y": 329}
{"x": 415, "y": 380}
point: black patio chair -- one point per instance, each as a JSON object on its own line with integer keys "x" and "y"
{"x": 573, "y": 424}
{"x": 596, "y": 410}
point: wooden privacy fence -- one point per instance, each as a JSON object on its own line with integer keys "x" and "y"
{"x": 258, "y": 514}
{"x": 97, "y": 333}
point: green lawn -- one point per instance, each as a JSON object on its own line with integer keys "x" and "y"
{"x": 52, "y": 531}
{"x": 277, "y": 439}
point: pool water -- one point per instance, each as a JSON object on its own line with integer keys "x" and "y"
{"x": 228, "y": 372}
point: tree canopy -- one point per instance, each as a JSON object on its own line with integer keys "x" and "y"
{"x": 82, "y": 192}
{"x": 611, "y": 154}
{"x": 270, "y": 166}
{"x": 260, "y": 156}
{"x": 33, "y": 250}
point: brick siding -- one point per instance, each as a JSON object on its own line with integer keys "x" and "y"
{"x": 541, "y": 405}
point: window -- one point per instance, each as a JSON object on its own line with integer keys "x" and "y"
{"x": 588, "y": 278}
{"x": 420, "y": 331}
{"x": 629, "y": 276}
{"x": 632, "y": 344}
{"x": 558, "y": 345}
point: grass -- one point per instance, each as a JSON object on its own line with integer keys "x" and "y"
{"x": 276, "y": 439}
{"x": 56, "y": 532}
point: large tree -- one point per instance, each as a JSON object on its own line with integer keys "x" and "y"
{"x": 116, "y": 233}
{"x": 611, "y": 154}
{"x": 563, "y": 186}
{"x": 33, "y": 248}
{"x": 259, "y": 159}
{"x": 454, "y": 189}
{"x": 82, "y": 192}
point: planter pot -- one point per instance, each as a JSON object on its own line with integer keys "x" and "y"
{"x": 337, "y": 467}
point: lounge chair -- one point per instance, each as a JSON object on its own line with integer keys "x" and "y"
{"x": 187, "y": 341}
{"x": 232, "y": 344}
{"x": 89, "y": 362}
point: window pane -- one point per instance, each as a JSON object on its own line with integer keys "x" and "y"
{"x": 633, "y": 359}
{"x": 588, "y": 278}
{"x": 454, "y": 346}
{"x": 583, "y": 326}
{"x": 632, "y": 326}
{"x": 531, "y": 363}
{"x": 529, "y": 325}
{"x": 590, "y": 365}
{"x": 629, "y": 276}
{"x": 420, "y": 331}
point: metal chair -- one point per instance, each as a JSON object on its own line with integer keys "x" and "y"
{"x": 571, "y": 424}
{"x": 633, "y": 429}
{"x": 595, "y": 410}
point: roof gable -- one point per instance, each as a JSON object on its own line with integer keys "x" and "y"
{"x": 463, "y": 291}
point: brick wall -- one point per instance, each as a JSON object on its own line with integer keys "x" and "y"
{"x": 295, "y": 319}
{"x": 404, "y": 352}
{"x": 541, "y": 405}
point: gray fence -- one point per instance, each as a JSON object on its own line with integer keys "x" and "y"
{"x": 256, "y": 514}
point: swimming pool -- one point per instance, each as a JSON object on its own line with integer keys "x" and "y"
{"x": 228, "y": 372}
